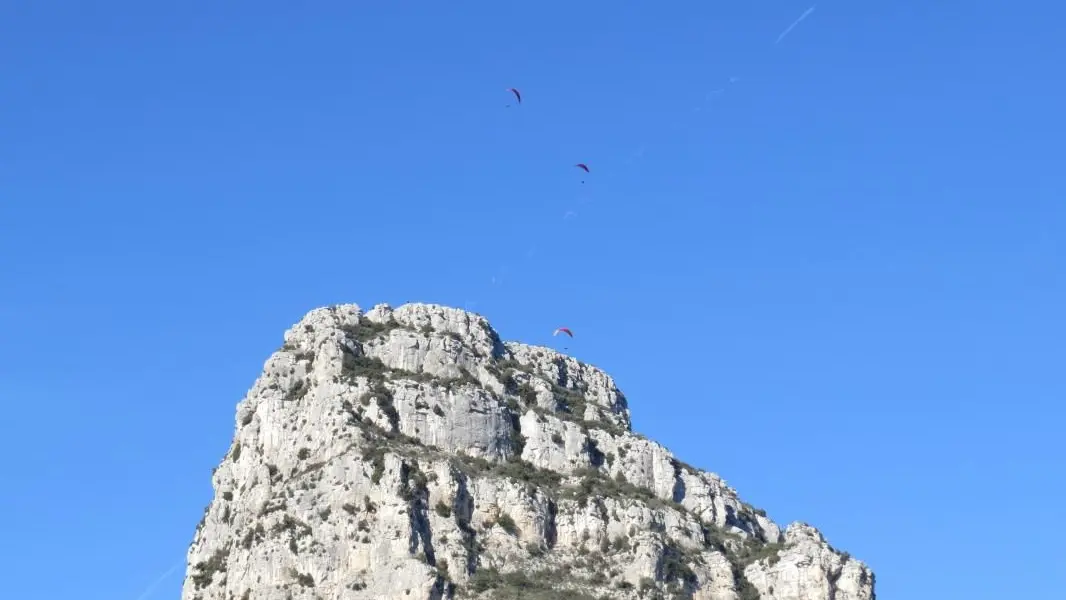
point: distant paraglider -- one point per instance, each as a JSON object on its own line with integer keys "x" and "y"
{"x": 565, "y": 330}
{"x": 517, "y": 95}
{"x": 583, "y": 167}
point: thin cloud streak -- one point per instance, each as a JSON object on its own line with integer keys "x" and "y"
{"x": 151, "y": 589}
{"x": 795, "y": 23}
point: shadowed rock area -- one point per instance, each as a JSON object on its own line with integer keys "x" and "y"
{"x": 411, "y": 454}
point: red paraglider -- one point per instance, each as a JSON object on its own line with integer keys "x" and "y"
{"x": 565, "y": 330}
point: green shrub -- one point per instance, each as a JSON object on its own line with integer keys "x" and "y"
{"x": 375, "y": 455}
{"x": 675, "y": 567}
{"x": 365, "y": 366}
{"x": 542, "y": 585}
{"x": 507, "y": 524}
{"x": 205, "y": 570}
{"x": 365, "y": 329}
{"x": 298, "y": 391}
{"x": 303, "y": 579}
{"x": 527, "y": 394}
{"x": 569, "y": 401}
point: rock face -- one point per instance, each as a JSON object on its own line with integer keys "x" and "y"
{"x": 411, "y": 454}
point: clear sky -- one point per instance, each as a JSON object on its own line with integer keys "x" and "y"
{"x": 829, "y": 269}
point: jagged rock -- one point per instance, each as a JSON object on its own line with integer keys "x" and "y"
{"x": 411, "y": 454}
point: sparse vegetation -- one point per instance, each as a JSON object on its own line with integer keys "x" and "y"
{"x": 507, "y": 524}
{"x": 298, "y": 391}
{"x": 414, "y": 482}
{"x": 365, "y": 366}
{"x": 542, "y": 585}
{"x": 675, "y": 566}
{"x": 443, "y": 509}
{"x": 534, "y": 549}
{"x": 518, "y": 441}
{"x": 303, "y": 579}
{"x": 745, "y": 590}
{"x": 366, "y": 330}
{"x": 464, "y": 378}
{"x": 595, "y": 483}
{"x": 386, "y": 405}
{"x": 204, "y": 571}
{"x": 293, "y": 525}
{"x": 254, "y": 535}
{"x": 375, "y": 455}
{"x": 510, "y": 384}
{"x": 517, "y": 469}
{"x": 557, "y": 439}
{"x": 751, "y": 551}
{"x": 569, "y": 401}
{"x": 527, "y": 394}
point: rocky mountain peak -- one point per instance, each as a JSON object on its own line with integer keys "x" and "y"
{"x": 410, "y": 453}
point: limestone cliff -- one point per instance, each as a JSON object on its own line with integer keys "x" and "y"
{"x": 412, "y": 454}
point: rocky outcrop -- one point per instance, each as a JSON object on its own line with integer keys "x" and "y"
{"x": 412, "y": 454}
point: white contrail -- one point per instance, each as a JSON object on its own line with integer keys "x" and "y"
{"x": 805, "y": 14}
{"x": 148, "y": 592}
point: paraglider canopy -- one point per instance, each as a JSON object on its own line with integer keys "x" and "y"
{"x": 583, "y": 167}
{"x": 516, "y": 93}
{"x": 565, "y": 330}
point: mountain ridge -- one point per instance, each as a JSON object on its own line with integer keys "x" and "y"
{"x": 411, "y": 453}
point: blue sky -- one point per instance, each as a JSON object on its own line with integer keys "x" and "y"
{"x": 829, "y": 269}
